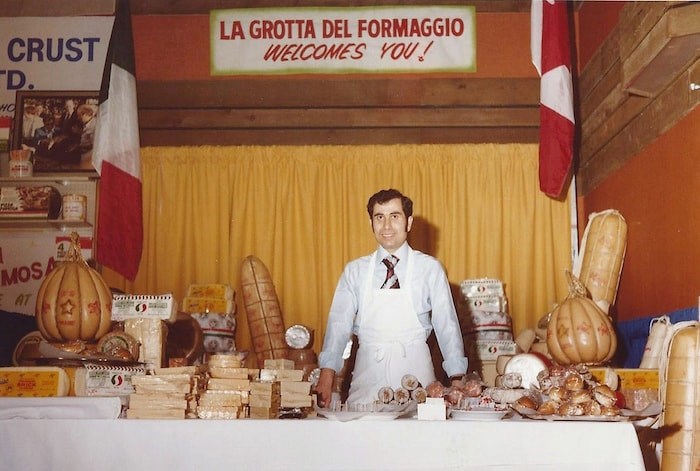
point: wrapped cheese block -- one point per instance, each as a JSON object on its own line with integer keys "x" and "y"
{"x": 681, "y": 450}
{"x": 599, "y": 264}
{"x": 33, "y": 381}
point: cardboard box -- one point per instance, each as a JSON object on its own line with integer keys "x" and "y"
{"x": 491, "y": 349}
{"x": 631, "y": 378}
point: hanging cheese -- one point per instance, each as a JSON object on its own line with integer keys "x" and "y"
{"x": 602, "y": 252}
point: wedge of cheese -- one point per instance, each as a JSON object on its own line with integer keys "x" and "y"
{"x": 34, "y": 381}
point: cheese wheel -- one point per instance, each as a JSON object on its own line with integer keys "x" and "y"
{"x": 528, "y": 365}
{"x": 600, "y": 260}
{"x": 263, "y": 310}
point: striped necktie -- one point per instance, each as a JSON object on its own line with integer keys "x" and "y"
{"x": 391, "y": 281}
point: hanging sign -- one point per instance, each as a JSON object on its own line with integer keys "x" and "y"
{"x": 43, "y": 53}
{"x": 353, "y": 40}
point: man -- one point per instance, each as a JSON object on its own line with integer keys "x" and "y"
{"x": 43, "y": 135}
{"x": 392, "y": 308}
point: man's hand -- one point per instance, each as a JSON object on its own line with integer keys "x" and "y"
{"x": 324, "y": 387}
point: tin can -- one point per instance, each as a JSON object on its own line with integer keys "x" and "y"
{"x": 74, "y": 207}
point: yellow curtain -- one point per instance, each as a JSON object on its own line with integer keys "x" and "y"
{"x": 302, "y": 211}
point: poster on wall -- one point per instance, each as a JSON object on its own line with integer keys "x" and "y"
{"x": 26, "y": 257}
{"x": 45, "y": 54}
{"x": 352, "y": 40}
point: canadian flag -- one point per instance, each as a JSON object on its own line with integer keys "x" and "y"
{"x": 551, "y": 55}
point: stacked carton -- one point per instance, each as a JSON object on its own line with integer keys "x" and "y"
{"x": 170, "y": 393}
{"x": 486, "y": 325}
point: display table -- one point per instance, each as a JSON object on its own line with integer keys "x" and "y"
{"x": 317, "y": 443}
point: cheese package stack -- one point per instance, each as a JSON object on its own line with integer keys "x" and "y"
{"x": 171, "y": 393}
{"x": 264, "y": 400}
{"x": 34, "y": 381}
{"x": 486, "y": 325}
{"x": 227, "y": 389}
{"x": 151, "y": 335}
{"x": 209, "y": 298}
{"x": 295, "y": 394}
{"x": 280, "y": 389}
{"x": 213, "y": 307}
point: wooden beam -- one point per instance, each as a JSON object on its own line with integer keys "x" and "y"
{"x": 337, "y": 92}
{"x": 324, "y": 118}
{"x": 356, "y": 136}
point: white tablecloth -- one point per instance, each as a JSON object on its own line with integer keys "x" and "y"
{"x": 309, "y": 444}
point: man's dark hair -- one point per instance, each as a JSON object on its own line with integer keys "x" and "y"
{"x": 383, "y": 196}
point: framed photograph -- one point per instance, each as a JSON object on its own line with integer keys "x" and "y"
{"x": 58, "y": 127}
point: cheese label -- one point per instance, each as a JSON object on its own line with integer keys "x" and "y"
{"x": 29, "y": 382}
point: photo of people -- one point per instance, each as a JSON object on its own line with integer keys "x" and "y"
{"x": 58, "y": 128}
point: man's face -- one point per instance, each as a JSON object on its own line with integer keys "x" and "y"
{"x": 390, "y": 225}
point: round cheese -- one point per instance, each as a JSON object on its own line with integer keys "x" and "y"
{"x": 528, "y": 365}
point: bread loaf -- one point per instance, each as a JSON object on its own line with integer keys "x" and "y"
{"x": 263, "y": 310}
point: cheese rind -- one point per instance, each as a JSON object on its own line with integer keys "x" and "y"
{"x": 34, "y": 381}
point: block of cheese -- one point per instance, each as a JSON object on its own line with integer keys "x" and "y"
{"x": 155, "y": 413}
{"x": 34, "y": 381}
{"x": 226, "y": 360}
{"x": 198, "y": 305}
{"x": 256, "y": 400}
{"x": 219, "y": 291}
{"x": 258, "y": 387}
{"x": 232, "y": 373}
{"x": 151, "y": 335}
{"x": 221, "y": 398}
{"x": 162, "y": 383}
{"x": 158, "y": 401}
{"x": 295, "y": 400}
{"x": 295, "y": 387}
{"x": 263, "y": 412}
{"x": 219, "y": 412}
{"x": 281, "y": 375}
{"x": 228, "y": 384}
{"x": 278, "y": 364}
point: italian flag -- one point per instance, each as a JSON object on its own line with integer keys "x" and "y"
{"x": 549, "y": 45}
{"x": 116, "y": 155}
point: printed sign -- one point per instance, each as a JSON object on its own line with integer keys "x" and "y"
{"x": 42, "y": 53}
{"x": 26, "y": 257}
{"x": 397, "y": 39}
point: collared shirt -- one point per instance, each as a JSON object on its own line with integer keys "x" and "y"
{"x": 431, "y": 297}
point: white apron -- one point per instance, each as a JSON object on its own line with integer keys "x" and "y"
{"x": 392, "y": 341}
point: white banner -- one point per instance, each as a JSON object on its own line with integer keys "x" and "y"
{"x": 397, "y": 39}
{"x": 26, "y": 257}
{"x": 45, "y": 53}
